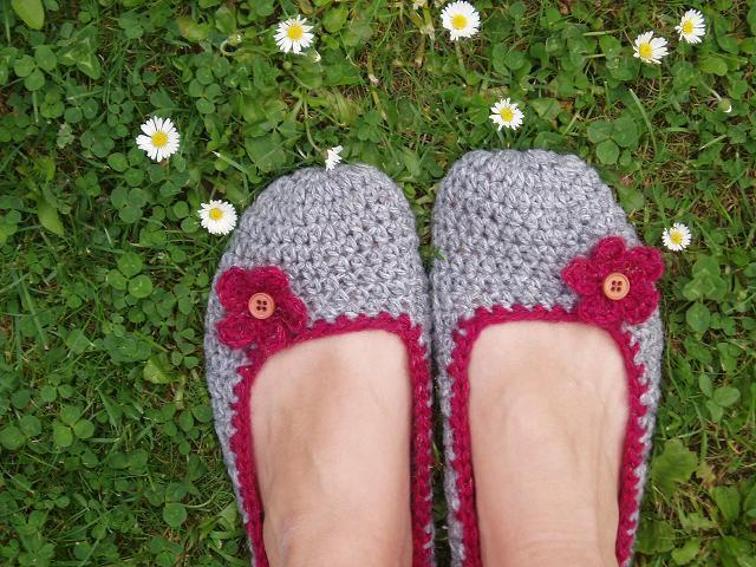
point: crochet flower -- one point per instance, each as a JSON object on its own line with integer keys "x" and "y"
{"x": 616, "y": 284}
{"x": 260, "y": 308}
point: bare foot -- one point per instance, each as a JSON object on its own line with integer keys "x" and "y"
{"x": 331, "y": 422}
{"x": 548, "y": 410}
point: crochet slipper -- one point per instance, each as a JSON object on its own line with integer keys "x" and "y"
{"x": 537, "y": 236}
{"x": 319, "y": 253}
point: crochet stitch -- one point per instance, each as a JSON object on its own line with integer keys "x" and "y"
{"x": 507, "y": 224}
{"x": 343, "y": 244}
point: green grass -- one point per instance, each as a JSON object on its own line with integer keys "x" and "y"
{"x": 107, "y": 452}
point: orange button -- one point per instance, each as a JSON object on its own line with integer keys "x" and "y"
{"x": 261, "y": 306}
{"x": 616, "y": 286}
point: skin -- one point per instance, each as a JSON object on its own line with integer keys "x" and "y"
{"x": 548, "y": 411}
{"x": 331, "y": 421}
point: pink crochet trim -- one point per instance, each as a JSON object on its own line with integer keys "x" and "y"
{"x": 239, "y": 329}
{"x": 421, "y": 456}
{"x": 633, "y": 449}
{"x": 641, "y": 265}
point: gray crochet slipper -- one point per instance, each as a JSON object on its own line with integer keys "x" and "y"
{"x": 537, "y": 236}
{"x": 319, "y": 253}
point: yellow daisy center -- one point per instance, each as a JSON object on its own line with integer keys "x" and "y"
{"x": 215, "y": 214}
{"x": 295, "y": 32}
{"x": 676, "y": 237}
{"x": 645, "y": 50}
{"x": 507, "y": 114}
{"x": 159, "y": 139}
{"x": 459, "y": 21}
{"x": 687, "y": 27}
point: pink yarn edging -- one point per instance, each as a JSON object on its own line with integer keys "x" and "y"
{"x": 421, "y": 455}
{"x": 464, "y": 338}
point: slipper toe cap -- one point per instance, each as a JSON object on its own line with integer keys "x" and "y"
{"x": 507, "y": 222}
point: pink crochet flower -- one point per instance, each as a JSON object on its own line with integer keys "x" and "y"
{"x": 616, "y": 284}
{"x": 260, "y": 307}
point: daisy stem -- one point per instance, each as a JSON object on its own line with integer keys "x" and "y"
{"x": 460, "y": 60}
{"x": 223, "y": 49}
{"x": 235, "y": 164}
{"x": 7, "y": 29}
{"x": 34, "y": 105}
{"x": 373, "y": 92}
{"x": 420, "y": 53}
{"x": 649, "y": 127}
{"x": 307, "y": 128}
{"x": 712, "y": 91}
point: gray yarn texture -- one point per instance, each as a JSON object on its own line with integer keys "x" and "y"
{"x": 347, "y": 240}
{"x": 506, "y": 223}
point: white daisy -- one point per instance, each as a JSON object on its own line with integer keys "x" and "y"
{"x": 506, "y": 114}
{"x": 333, "y": 157}
{"x": 294, "y": 35}
{"x": 217, "y": 217}
{"x": 650, "y": 49}
{"x": 692, "y": 26}
{"x": 461, "y": 19}
{"x": 676, "y": 238}
{"x": 160, "y": 139}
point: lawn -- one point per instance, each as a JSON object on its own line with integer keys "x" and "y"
{"x": 107, "y": 450}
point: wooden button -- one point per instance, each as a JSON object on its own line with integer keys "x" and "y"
{"x": 616, "y": 286}
{"x": 261, "y": 306}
